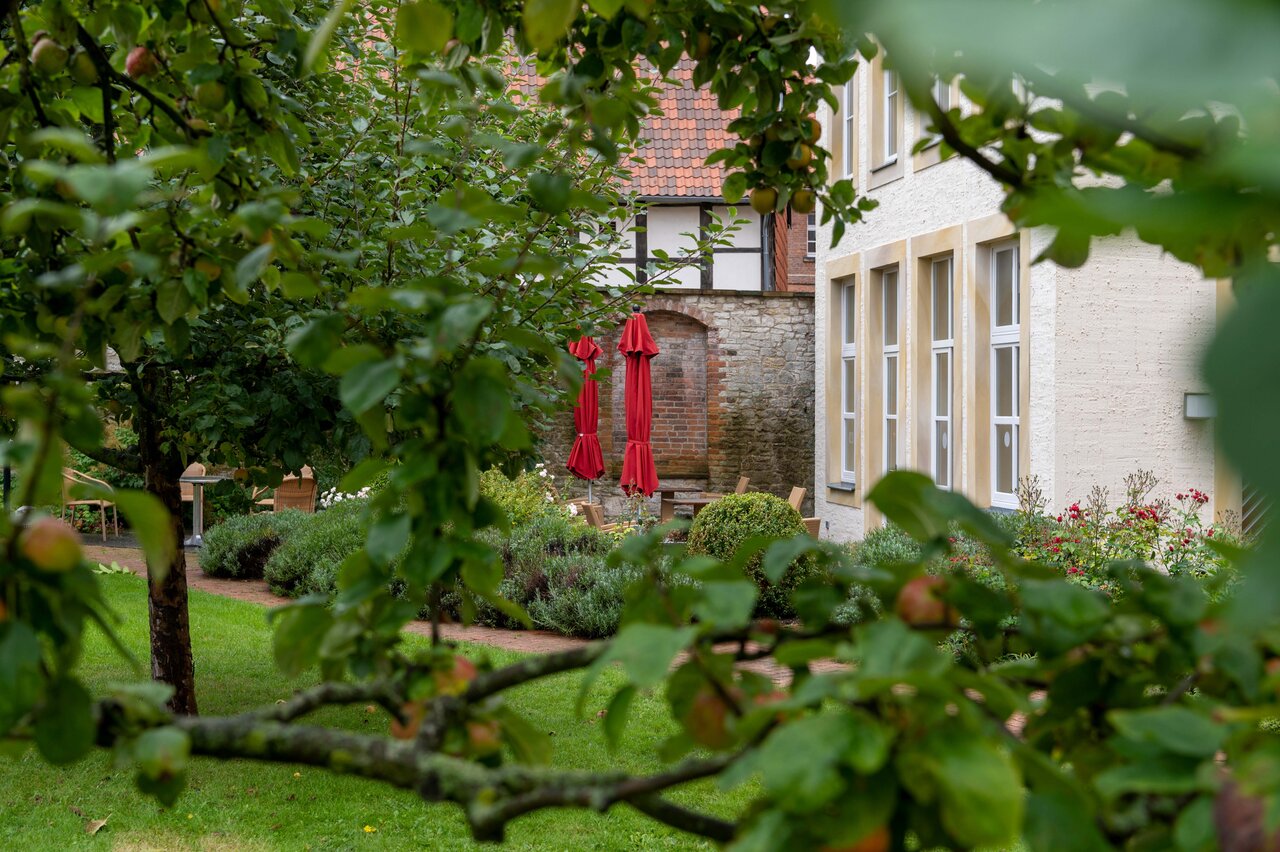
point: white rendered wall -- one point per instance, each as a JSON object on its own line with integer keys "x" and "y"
{"x": 1113, "y": 345}
{"x": 1131, "y": 325}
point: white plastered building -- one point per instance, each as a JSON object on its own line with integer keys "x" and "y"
{"x": 941, "y": 348}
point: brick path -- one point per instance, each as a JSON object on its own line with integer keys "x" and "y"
{"x": 524, "y": 641}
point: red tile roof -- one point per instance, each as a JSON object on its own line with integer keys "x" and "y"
{"x": 687, "y": 127}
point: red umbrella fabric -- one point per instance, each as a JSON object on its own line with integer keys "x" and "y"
{"x": 585, "y": 459}
{"x": 638, "y": 472}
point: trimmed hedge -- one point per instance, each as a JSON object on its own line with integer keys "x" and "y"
{"x": 723, "y": 526}
{"x": 240, "y": 546}
{"x": 309, "y": 558}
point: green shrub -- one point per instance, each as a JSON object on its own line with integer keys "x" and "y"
{"x": 528, "y": 496}
{"x": 723, "y": 526}
{"x": 240, "y": 546}
{"x": 529, "y": 556}
{"x": 584, "y": 596}
{"x": 309, "y": 559}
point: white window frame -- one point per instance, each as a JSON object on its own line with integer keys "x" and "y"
{"x": 891, "y": 100}
{"x": 1006, "y": 337}
{"x": 942, "y": 93}
{"x": 940, "y": 346}
{"x": 890, "y": 355}
{"x": 850, "y": 118}
{"x": 811, "y": 236}
{"x": 848, "y": 364}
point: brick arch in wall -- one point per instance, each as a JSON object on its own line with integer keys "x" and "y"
{"x": 686, "y": 379}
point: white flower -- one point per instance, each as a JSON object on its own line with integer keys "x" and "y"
{"x": 573, "y": 508}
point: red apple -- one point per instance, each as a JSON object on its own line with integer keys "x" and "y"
{"x": 706, "y": 718}
{"x": 412, "y": 713}
{"x": 484, "y": 737}
{"x": 140, "y": 62}
{"x": 876, "y": 841}
{"x": 920, "y": 602}
{"x": 51, "y": 545}
{"x": 456, "y": 679}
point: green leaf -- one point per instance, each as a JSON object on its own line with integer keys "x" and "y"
{"x": 19, "y": 672}
{"x": 799, "y": 760}
{"x": 172, "y": 299}
{"x": 735, "y": 186}
{"x": 1055, "y": 822}
{"x": 646, "y": 651}
{"x": 1194, "y": 830}
{"x": 249, "y": 268}
{"x": 726, "y": 605}
{"x": 1175, "y": 729}
{"x": 782, "y": 554}
{"x": 480, "y": 400}
{"x": 547, "y": 21}
{"x": 162, "y": 755}
{"x": 615, "y": 716}
{"x": 531, "y": 745}
{"x": 423, "y": 27}
{"x": 366, "y": 385}
{"x": 869, "y": 743}
{"x": 926, "y": 512}
{"x": 362, "y": 474}
{"x": 153, "y": 526}
{"x": 1162, "y": 776}
{"x": 605, "y": 8}
{"x": 300, "y": 628}
{"x": 979, "y": 788}
{"x": 65, "y": 728}
{"x": 322, "y": 35}
{"x": 550, "y": 191}
{"x": 313, "y": 343}
{"x": 388, "y": 538}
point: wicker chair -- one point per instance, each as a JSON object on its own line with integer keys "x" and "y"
{"x": 73, "y": 478}
{"x": 294, "y": 493}
{"x": 187, "y": 489}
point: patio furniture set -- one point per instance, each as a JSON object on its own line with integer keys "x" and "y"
{"x": 295, "y": 492}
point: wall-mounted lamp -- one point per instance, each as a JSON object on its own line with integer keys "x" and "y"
{"x": 1199, "y": 406}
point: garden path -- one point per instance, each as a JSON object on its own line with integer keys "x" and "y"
{"x": 523, "y": 641}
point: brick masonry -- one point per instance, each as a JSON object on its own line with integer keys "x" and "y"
{"x": 793, "y": 265}
{"x": 733, "y": 395}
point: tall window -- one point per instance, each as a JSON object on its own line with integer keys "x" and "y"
{"x": 848, "y": 382}
{"x": 1006, "y": 418}
{"x": 942, "y": 94}
{"x": 850, "y": 117}
{"x": 890, "y": 115}
{"x": 943, "y": 366}
{"x": 889, "y": 334}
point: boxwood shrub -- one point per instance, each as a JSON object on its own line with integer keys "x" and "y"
{"x": 240, "y": 546}
{"x": 721, "y": 527}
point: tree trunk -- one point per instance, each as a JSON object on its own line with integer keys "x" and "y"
{"x": 171, "y": 660}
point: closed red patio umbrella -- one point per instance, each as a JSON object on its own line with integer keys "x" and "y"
{"x": 637, "y": 347}
{"x": 585, "y": 459}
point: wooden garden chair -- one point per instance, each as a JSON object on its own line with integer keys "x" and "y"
{"x": 70, "y": 480}
{"x": 188, "y": 490}
{"x": 595, "y": 517}
{"x": 797, "y": 497}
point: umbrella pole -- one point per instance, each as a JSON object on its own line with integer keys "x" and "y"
{"x": 589, "y": 500}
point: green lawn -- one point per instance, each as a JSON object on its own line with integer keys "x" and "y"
{"x": 243, "y": 805}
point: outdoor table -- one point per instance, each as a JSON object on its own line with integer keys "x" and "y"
{"x": 197, "y": 505}
{"x": 670, "y": 501}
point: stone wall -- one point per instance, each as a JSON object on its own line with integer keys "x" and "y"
{"x": 733, "y": 395}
